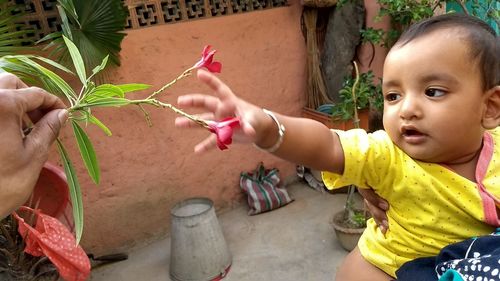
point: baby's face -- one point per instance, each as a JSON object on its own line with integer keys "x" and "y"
{"x": 434, "y": 100}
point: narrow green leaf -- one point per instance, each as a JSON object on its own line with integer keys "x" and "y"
{"x": 53, "y": 63}
{"x": 77, "y": 60}
{"x": 69, "y": 7}
{"x": 109, "y": 90}
{"x": 50, "y": 36}
{"x": 24, "y": 66}
{"x": 52, "y": 77}
{"x": 105, "y": 102}
{"x": 87, "y": 151}
{"x": 13, "y": 34}
{"x": 98, "y": 123}
{"x": 66, "y": 28}
{"x": 100, "y": 67}
{"x": 74, "y": 191}
{"x": 133, "y": 87}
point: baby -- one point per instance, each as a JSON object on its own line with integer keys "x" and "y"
{"x": 438, "y": 161}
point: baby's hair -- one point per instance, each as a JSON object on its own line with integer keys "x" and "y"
{"x": 483, "y": 41}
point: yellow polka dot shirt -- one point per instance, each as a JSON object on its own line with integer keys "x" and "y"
{"x": 430, "y": 205}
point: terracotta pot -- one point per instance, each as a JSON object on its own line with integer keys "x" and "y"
{"x": 337, "y": 123}
{"x": 51, "y": 194}
{"x": 347, "y": 237}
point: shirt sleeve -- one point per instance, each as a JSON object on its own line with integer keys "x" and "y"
{"x": 368, "y": 159}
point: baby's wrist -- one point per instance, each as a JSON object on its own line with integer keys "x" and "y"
{"x": 271, "y": 136}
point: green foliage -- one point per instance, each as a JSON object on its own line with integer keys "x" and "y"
{"x": 353, "y": 218}
{"x": 30, "y": 68}
{"x": 402, "y": 13}
{"x": 94, "y": 26}
{"x": 488, "y": 10}
{"x": 12, "y": 34}
{"x": 367, "y": 95}
{"x": 74, "y": 190}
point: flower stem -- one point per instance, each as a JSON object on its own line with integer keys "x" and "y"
{"x": 193, "y": 118}
{"x": 184, "y": 74}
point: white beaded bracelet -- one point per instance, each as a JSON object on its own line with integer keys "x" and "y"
{"x": 281, "y": 133}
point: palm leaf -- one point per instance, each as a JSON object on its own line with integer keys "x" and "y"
{"x": 12, "y": 34}
{"x": 95, "y": 27}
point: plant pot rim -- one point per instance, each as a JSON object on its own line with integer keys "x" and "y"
{"x": 337, "y": 226}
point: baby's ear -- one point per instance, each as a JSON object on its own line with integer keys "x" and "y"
{"x": 491, "y": 117}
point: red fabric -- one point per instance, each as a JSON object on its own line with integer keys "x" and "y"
{"x": 52, "y": 239}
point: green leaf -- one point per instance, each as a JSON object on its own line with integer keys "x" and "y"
{"x": 106, "y": 91}
{"x": 69, "y": 7}
{"x": 100, "y": 67}
{"x": 98, "y": 122}
{"x": 58, "y": 82}
{"x": 133, "y": 87}
{"x": 77, "y": 60}
{"x": 74, "y": 191}
{"x": 87, "y": 151}
{"x": 25, "y": 67}
{"x": 13, "y": 35}
{"x": 65, "y": 26}
{"x": 96, "y": 27}
{"x": 52, "y": 63}
{"x": 50, "y": 36}
{"x": 105, "y": 102}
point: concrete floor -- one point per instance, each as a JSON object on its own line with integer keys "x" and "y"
{"x": 295, "y": 242}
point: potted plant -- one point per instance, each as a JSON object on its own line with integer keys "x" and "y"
{"x": 350, "y": 222}
{"x": 340, "y": 116}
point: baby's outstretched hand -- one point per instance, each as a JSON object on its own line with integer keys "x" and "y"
{"x": 223, "y": 105}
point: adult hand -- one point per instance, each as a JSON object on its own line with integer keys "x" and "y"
{"x": 377, "y": 207}
{"x": 223, "y": 104}
{"x": 22, "y": 155}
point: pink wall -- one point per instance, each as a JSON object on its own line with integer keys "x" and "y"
{"x": 145, "y": 171}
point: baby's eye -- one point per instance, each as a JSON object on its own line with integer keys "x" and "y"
{"x": 434, "y": 93}
{"x": 392, "y": 96}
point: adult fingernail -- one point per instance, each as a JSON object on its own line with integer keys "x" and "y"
{"x": 383, "y": 205}
{"x": 63, "y": 116}
{"x": 385, "y": 223}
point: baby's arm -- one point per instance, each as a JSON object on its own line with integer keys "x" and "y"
{"x": 305, "y": 141}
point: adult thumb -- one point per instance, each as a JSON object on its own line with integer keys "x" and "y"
{"x": 45, "y": 131}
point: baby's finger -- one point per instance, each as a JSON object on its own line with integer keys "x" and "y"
{"x": 209, "y": 103}
{"x": 206, "y": 145}
{"x": 221, "y": 89}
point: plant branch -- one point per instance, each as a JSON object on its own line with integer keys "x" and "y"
{"x": 462, "y": 5}
{"x": 184, "y": 74}
{"x": 354, "y": 99}
{"x": 149, "y": 101}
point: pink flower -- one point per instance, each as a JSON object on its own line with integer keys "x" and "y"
{"x": 224, "y": 130}
{"x": 206, "y": 60}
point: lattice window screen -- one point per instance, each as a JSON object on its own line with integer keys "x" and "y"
{"x": 43, "y": 17}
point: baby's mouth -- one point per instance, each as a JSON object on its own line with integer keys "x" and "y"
{"x": 412, "y": 135}
{"x": 411, "y": 132}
